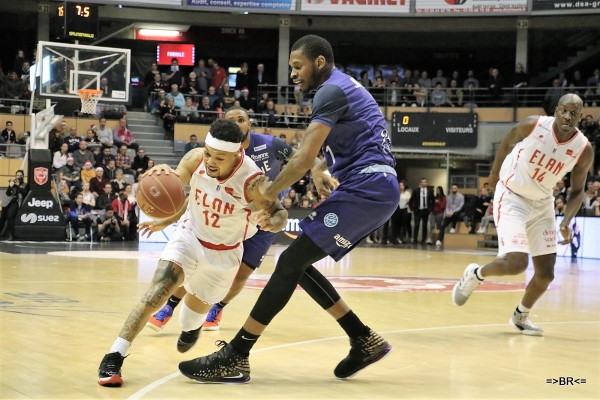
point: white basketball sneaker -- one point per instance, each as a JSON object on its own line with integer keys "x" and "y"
{"x": 463, "y": 289}
{"x": 521, "y": 322}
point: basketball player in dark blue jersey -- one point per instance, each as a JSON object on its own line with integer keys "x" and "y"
{"x": 348, "y": 126}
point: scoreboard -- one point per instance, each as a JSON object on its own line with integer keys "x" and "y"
{"x": 79, "y": 21}
{"x": 434, "y": 130}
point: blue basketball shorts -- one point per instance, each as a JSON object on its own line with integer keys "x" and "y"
{"x": 255, "y": 248}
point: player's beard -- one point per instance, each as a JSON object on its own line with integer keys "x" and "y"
{"x": 314, "y": 79}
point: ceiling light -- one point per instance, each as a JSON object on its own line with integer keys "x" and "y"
{"x": 159, "y": 32}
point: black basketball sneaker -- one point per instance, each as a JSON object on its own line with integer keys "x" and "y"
{"x": 187, "y": 340}
{"x": 364, "y": 351}
{"x": 223, "y": 366}
{"x": 109, "y": 372}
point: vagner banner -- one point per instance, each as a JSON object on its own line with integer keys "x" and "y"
{"x": 246, "y": 4}
{"x": 357, "y": 6}
{"x": 546, "y": 5}
{"x": 470, "y": 6}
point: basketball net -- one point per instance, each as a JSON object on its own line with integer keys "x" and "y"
{"x": 89, "y": 100}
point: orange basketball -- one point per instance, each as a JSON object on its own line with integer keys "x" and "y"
{"x": 160, "y": 196}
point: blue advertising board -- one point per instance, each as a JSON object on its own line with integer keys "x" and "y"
{"x": 246, "y": 4}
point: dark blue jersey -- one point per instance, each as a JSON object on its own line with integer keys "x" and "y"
{"x": 358, "y": 137}
{"x": 268, "y": 153}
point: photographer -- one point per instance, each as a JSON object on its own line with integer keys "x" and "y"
{"x": 109, "y": 230}
{"x": 16, "y": 191}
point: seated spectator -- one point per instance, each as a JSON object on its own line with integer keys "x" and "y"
{"x": 109, "y": 227}
{"x": 8, "y": 135}
{"x": 168, "y": 113}
{"x": 188, "y": 113}
{"x": 82, "y": 155}
{"x": 122, "y": 135}
{"x": 378, "y": 90}
{"x": 154, "y": 87}
{"x": 91, "y": 138}
{"x": 105, "y": 198}
{"x": 471, "y": 80}
{"x": 205, "y": 114}
{"x": 261, "y": 104}
{"x": 304, "y": 202}
{"x": 228, "y": 96}
{"x": 218, "y": 108}
{"x": 488, "y": 217}
{"x": 193, "y": 144}
{"x": 420, "y": 96}
{"x": 293, "y": 198}
{"x": 159, "y": 102}
{"x": 118, "y": 184}
{"x": 123, "y": 161}
{"x": 594, "y": 80}
{"x": 110, "y": 170}
{"x": 89, "y": 198}
{"x": 152, "y": 74}
{"x": 560, "y": 204}
{"x": 438, "y": 96}
{"x": 270, "y": 116}
{"x": 471, "y": 96}
{"x": 191, "y": 86}
{"x": 304, "y": 115}
{"x": 14, "y": 87}
{"x": 288, "y": 119}
{"x": 424, "y": 82}
{"x": 64, "y": 130}
{"x": 59, "y": 159}
{"x": 16, "y": 192}
{"x": 55, "y": 141}
{"x": 245, "y": 101}
{"x": 104, "y": 133}
{"x": 287, "y": 203}
{"x": 102, "y": 159}
{"x": 178, "y": 99}
{"x": 140, "y": 162}
{"x": 150, "y": 165}
{"x": 80, "y": 214}
{"x": 242, "y": 80}
{"x": 481, "y": 206}
{"x": 72, "y": 140}
{"x": 439, "y": 78}
{"x": 212, "y": 95}
{"x": 454, "y": 204}
{"x": 364, "y": 79}
{"x": 454, "y": 95}
{"x": 97, "y": 183}
{"x": 122, "y": 208}
{"x": 87, "y": 173}
{"x": 70, "y": 174}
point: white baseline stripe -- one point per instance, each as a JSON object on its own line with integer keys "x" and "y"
{"x": 147, "y": 389}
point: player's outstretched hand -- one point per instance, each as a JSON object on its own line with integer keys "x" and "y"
{"x": 272, "y": 222}
{"x": 566, "y": 233}
{"x": 149, "y": 227}
{"x": 159, "y": 169}
{"x": 324, "y": 183}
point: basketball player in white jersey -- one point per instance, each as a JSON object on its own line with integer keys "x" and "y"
{"x": 537, "y": 153}
{"x": 223, "y": 209}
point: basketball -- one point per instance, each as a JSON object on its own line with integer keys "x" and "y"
{"x": 160, "y": 196}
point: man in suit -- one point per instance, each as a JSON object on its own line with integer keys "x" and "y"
{"x": 454, "y": 204}
{"x": 421, "y": 203}
{"x": 261, "y": 78}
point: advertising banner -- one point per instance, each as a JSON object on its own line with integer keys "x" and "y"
{"x": 441, "y": 130}
{"x": 469, "y": 6}
{"x": 357, "y": 6}
{"x": 548, "y": 5}
{"x": 246, "y": 4}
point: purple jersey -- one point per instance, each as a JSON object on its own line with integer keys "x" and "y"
{"x": 268, "y": 153}
{"x": 358, "y": 137}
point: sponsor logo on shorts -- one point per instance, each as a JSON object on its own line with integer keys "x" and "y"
{"x": 330, "y": 220}
{"x": 342, "y": 242}
{"x": 312, "y": 215}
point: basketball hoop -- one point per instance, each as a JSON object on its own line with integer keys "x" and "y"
{"x": 89, "y": 100}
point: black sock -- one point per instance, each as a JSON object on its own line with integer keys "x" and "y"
{"x": 173, "y": 301}
{"x": 221, "y": 304}
{"x": 352, "y": 325}
{"x": 244, "y": 341}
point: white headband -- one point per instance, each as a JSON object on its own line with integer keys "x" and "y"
{"x": 222, "y": 145}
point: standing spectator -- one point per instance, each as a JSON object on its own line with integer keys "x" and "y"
{"x": 421, "y": 203}
{"x": 454, "y": 203}
{"x": 123, "y": 160}
{"x": 439, "y": 78}
{"x": 394, "y": 93}
{"x": 219, "y": 75}
{"x": 594, "y": 80}
{"x": 8, "y": 135}
{"x": 260, "y": 79}
{"x": 454, "y": 95}
{"x": 105, "y": 199}
{"x": 123, "y": 136}
{"x": 471, "y": 80}
{"x": 151, "y": 75}
{"x": 577, "y": 81}
{"x": 245, "y": 101}
{"x": 520, "y": 82}
{"x": 15, "y": 192}
{"x": 242, "y": 80}
{"x": 438, "y": 96}
{"x": 438, "y": 210}
{"x": 404, "y": 210}
{"x": 104, "y": 133}
{"x": 73, "y": 140}
{"x": 87, "y": 173}
{"x": 55, "y": 142}
{"x": 204, "y": 76}
{"x": 140, "y": 162}
{"x": 552, "y": 96}
{"x": 80, "y": 213}
{"x": 179, "y": 100}
{"x": 364, "y": 79}
{"x": 495, "y": 84}
{"x": 123, "y": 208}
{"x": 154, "y": 88}
{"x": 59, "y": 159}
{"x": 19, "y": 60}
{"x": 192, "y": 86}
{"x": 98, "y": 182}
{"x": 109, "y": 227}
{"x": 82, "y": 155}
{"x": 193, "y": 144}
{"x": 481, "y": 206}
{"x": 175, "y": 75}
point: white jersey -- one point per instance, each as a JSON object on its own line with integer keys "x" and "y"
{"x": 219, "y": 212}
{"x": 539, "y": 161}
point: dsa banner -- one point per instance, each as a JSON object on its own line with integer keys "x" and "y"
{"x": 469, "y": 6}
{"x": 357, "y": 6}
{"x": 555, "y": 5}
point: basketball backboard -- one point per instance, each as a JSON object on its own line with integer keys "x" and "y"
{"x": 65, "y": 68}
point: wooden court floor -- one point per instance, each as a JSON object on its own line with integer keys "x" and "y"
{"x": 63, "y": 304}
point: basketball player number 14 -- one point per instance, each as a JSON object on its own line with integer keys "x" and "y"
{"x": 537, "y": 176}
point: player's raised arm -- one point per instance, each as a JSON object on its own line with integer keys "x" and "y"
{"x": 517, "y": 134}
{"x": 273, "y": 217}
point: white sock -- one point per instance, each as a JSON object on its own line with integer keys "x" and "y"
{"x": 189, "y": 319}
{"x": 120, "y": 346}
{"x": 478, "y": 273}
{"x": 522, "y": 308}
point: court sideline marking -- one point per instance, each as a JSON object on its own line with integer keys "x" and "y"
{"x": 148, "y": 388}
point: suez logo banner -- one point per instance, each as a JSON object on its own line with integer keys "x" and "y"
{"x": 469, "y": 6}
{"x": 33, "y": 218}
{"x": 362, "y": 6}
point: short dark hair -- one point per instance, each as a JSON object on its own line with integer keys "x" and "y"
{"x": 238, "y": 108}
{"x": 109, "y": 208}
{"x": 9, "y": 122}
{"x": 313, "y": 46}
{"x": 174, "y": 59}
{"x": 226, "y": 130}
{"x": 193, "y": 136}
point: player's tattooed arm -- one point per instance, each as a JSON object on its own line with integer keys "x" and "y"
{"x": 167, "y": 277}
{"x": 273, "y": 216}
{"x": 188, "y": 164}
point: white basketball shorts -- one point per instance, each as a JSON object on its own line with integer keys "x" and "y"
{"x": 524, "y": 226}
{"x": 209, "y": 273}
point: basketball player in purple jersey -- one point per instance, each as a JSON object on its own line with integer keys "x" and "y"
{"x": 348, "y": 126}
